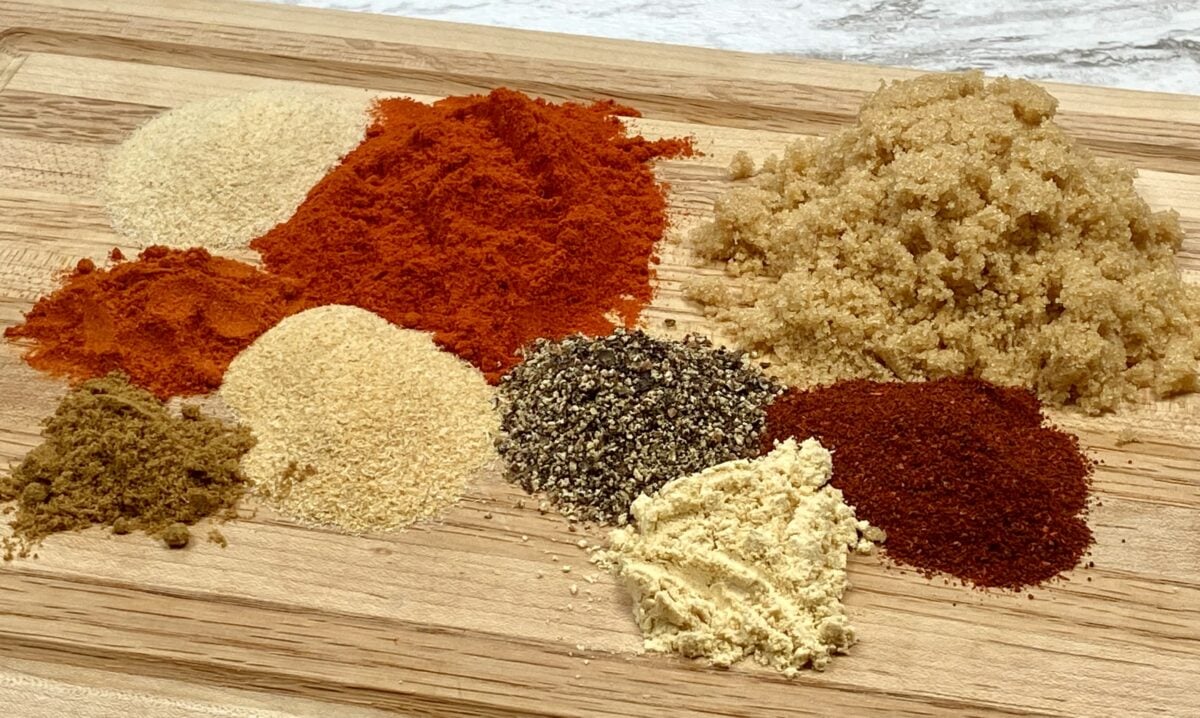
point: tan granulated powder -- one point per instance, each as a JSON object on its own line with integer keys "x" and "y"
{"x": 955, "y": 229}
{"x": 746, "y": 559}
{"x": 361, "y": 425}
{"x": 221, "y": 172}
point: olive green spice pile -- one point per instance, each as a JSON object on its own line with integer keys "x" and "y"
{"x": 595, "y": 422}
{"x": 113, "y": 455}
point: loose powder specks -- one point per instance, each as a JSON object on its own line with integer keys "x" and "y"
{"x": 220, "y": 172}
{"x": 361, "y": 425}
{"x": 746, "y": 559}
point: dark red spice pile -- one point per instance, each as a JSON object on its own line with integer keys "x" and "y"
{"x": 964, "y": 476}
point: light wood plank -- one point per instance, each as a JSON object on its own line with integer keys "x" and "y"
{"x": 474, "y": 615}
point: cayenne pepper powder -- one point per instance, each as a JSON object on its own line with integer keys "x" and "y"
{"x": 964, "y": 476}
{"x": 172, "y": 320}
{"x": 488, "y": 220}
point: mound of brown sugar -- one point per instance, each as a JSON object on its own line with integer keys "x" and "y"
{"x": 955, "y": 229}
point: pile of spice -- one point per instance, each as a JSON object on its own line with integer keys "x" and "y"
{"x": 746, "y": 559}
{"x": 965, "y": 477}
{"x": 594, "y": 422}
{"x": 172, "y": 320}
{"x": 488, "y": 220}
{"x": 955, "y": 229}
{"x": 361, "y": 425}
{"x": 219, "y": 173}
{"x": 112, "y": 455}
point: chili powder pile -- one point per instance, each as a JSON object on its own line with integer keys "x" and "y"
{"x": 172, "y": 320}
{"x": 964, "y": 476}
{"x": 488, "y": 220}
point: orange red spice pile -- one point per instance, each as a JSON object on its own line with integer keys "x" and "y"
{"x": 492, "y": 221}
{"x": 488, "y": 220}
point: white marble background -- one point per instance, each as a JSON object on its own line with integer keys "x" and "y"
{"x": 1139, "y": 44}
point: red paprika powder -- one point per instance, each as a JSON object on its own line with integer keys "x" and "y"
{"x": 488, "y": 220}
{"x": 964, "y": 476}
{"x": 172, "y": 320}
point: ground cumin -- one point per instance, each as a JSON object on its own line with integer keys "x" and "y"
{"x": 112, "y": 455}
{"x": 955, "y": 229}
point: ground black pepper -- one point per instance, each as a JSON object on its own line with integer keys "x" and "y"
{"x": 964, "y": 476}
{"x": 595, "y": 422}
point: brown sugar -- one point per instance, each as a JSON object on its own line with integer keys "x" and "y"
{"x": 955, "y": 229}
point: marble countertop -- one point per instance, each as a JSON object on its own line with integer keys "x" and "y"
{"x": 1138, "y": 44}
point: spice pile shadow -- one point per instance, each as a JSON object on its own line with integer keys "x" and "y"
{"x": 594, "y": 422}
{"x": 964, "y": 476}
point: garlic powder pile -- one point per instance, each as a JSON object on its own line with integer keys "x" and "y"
{"x": 361, "y": 425}
{"x": 746, "y": 559}
{"x": 220, "y": 172}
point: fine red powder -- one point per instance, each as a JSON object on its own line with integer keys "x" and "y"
{"x": 488, "y": 220}
{"x": 172, "y": 320}
{"x": 964, "y": 476}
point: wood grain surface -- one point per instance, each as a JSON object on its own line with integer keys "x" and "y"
{"x": 475, "y": 616}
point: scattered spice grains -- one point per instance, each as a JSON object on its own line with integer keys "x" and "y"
{"x": 172, "y": 320}
{"x": 955, "y": 229}
{"x": 1127, "y": 436}
{"x": 361, "y": 425}
{"x": 220, "y": 172}
{"x": 489, "y": 220}
{"x": 746, "y": 559}
{"x": 595, "y": 422}
{"x": 112, "y": 455}
{"x": 964, "y": 476}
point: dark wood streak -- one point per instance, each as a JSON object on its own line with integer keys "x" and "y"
{"x": 118, "y": 633}
{"x": 59, "y": 118}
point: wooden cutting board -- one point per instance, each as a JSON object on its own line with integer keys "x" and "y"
{"x": 478, "y": 616}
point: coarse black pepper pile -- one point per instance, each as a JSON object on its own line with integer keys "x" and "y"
{"x": 595, "y": 422}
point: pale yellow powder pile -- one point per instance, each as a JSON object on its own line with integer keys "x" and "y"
{"x": 219, "y": 173}
{"x": 955, "y": 229}
{"x": 746, "y": 559}
{"x": 361, "y": 425}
